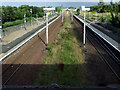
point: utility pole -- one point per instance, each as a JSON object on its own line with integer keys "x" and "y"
{"x": 47, "y": 28}
{"x": 31, "y": 16}
{"x": 84, "y": 33}
{"x": 25, "y": 21}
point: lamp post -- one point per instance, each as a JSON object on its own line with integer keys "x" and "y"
{"x": 25, "y": 21}
{"x": 62, "y": 15}
{"x": 44, "y": 15}
{"x": 37, "y": 18}
{"x": 31, "y": 16}
{"x": 0, "y": 39}
{"x": 72, "y": 15}
{"x": 0, "y": 34}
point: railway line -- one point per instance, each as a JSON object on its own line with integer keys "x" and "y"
{"x": 33, "y": 50}
{"x": 114, "y": 53}
{"x": 111, "y": 40}
{"x": 10, "y": 70}
{"x": 110, "y": 58}
{"x": 114, "y": 66}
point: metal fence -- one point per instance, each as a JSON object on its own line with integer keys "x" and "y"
{"x": 12, "y": 29}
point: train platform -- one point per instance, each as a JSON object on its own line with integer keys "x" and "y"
{"x": 103, "y": 33}
{"x": 12, "y": 39}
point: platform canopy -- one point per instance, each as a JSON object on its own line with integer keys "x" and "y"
{"x": 49, "y": 9}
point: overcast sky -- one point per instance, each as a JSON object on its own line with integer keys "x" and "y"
{"x": 57, "y": 0}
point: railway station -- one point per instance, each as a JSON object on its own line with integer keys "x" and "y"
{"x": 66, "y": 48}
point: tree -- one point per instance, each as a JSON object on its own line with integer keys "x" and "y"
{"x": 72, "y": 7}
{"x": 94, "y": 8}
{"x": 18, "y": 14}
{"x": 78, "y": 11}
{"x": 115, "y": 13}
{"x": 10, "y": 13}
{"x": 101, "y": 4}
{"x": 58, "y": 9}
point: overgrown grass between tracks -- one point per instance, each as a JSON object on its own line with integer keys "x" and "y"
{"x": 65, "y": 64}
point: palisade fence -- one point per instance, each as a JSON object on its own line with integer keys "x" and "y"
{"x": 101, "y": 19}
{"x": 11, "y": 29}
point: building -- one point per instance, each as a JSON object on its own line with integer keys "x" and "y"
{"x": 49, "y": 11}
{"x": 83, "y": 8}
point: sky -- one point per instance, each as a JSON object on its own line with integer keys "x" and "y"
{"x": 57, "y": 0}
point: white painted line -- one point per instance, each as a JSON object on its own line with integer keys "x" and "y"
{"x": 26, "y": 40}
{"x": 95, "y": 30}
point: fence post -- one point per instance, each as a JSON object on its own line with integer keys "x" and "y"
{"x": 31, "y": 16}
{"x": 84, "y": 33}
{"x": 25, "y": 20}
{"x": 47, "y": 28}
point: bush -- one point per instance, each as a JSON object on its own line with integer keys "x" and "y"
{"x": 8, "y": 24}
{"x": 18, "y": 22}
{"x": 40, "y": 14}
{"x": 28, "y": 19}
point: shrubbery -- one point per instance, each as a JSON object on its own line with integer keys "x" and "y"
{"x": 8, "y": 24}
{"x": 113, "y": 8}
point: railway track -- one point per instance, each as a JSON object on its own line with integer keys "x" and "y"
{"x": 24, "y": 57}
{"x": 113, "y": 65}
{"x": 116, "y": 57}
{"x": 101, "y": 29}
{"x": 112, "y": 61}
{"x": 13, "y": 68}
